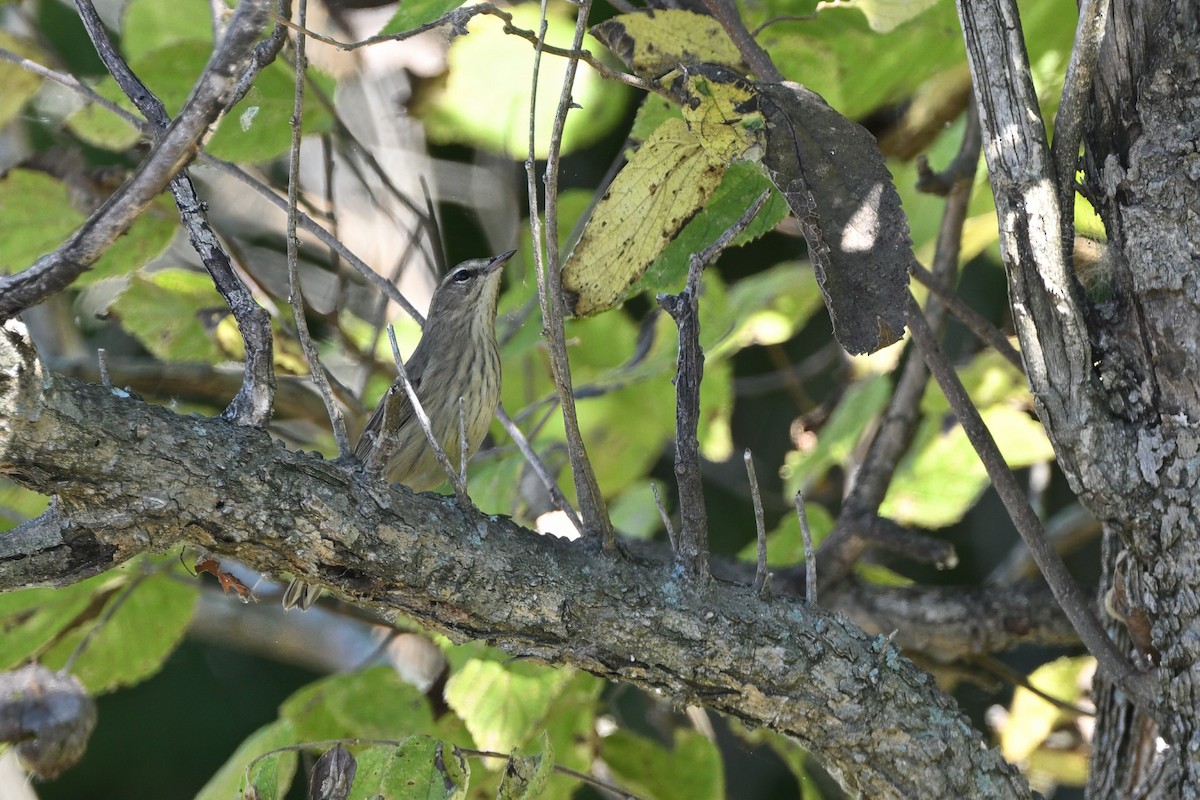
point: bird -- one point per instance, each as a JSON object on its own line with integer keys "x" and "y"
{"x": 457, "y": 357}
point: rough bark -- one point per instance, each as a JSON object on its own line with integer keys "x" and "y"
{"x": 1115, "y": 380}
{"x": 1143, "y": 174}
{"x": 131, "y": 477}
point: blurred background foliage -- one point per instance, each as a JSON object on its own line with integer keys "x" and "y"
{"x": 196, "y": 690}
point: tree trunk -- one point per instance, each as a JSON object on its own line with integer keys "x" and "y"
{"x": 1143, "y": 175}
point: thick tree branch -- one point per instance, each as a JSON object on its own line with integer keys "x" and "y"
{"x": 132, "y": 477}
{"x": 177, "y": 146}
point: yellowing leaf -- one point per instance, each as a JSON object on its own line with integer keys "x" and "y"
{"x": 663, "y": 186}
{"x": 723, "y": 113}
{"x": 1031, "y": 718}
{"x": 653, "y": 43}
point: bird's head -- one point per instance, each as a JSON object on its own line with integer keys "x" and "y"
{"x": 469, "y": 292}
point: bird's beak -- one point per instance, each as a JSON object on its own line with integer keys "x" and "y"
{"x": 499, "y": 261}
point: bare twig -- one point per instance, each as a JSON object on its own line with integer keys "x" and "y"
{"x": 724, "y": 12}
{"x": 662, "y": 513}
{"x": 762, "y": 578}
{"x": 458, "y": 19}
{"x": 592, "y": 509}
{"x": 295, "y": 291}
{"x": 460, "y": 491}
{"x": 254, "y": 402}
{"x": 102, "y": 362}
{"x": 810, "y": 554}
{"x": 960, "y": 172}
{"x": 535, "y": 463}
{"x": 691, "y": 552}
{"x": 1066, "y": 592}
{"x": 975, "y": 322}
{"x": 1077, "y": 85}
{"x": 462, "y": 442}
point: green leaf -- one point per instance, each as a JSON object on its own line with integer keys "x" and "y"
{"x": 785, "y": 544}
{"x": 484, "y": 100}
{"x": 740, "y": 186}
{"x": 149, "y": 25}
{"x": 150, "y": 235}
{"x": 372, "y": 704}
{"x": 503, "y": 704}
{"x": 415, "y": 13}
{"x": 129, "y": 642}
{"x": 941, "y": 477}
{"x": 690, "y": 770}
{"x": 32, "y": 619}
{"x": 835, "y": 442}
{"x": 256, "y": 129}
{"x": 525, "y": 777}
{"x": 35, "y": 217}
{"x": 271, "y": 776}
{"x": 421, "y": 768}
{"x": 161, "y": 311}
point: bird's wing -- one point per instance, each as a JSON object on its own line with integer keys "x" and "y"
{"x": 395, "y": 398}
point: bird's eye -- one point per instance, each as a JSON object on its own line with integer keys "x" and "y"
{"x": 462, "y": 276}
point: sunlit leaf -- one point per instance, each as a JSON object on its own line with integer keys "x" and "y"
{"x": 484, "y": 100}
{"x": 503, "y": 704}
{"x": 1031, "y": 718}
{"x": 132, "y": 637}
{"x": 654, "y": 42}
{"x": 663, "y": 186}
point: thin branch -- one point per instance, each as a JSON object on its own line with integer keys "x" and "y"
{"x": 256, "y": 397}
{"x": 762, "y": 578}
{"x": 596, "y": 523}
{"x": 460, "y": 491}
{"x": 462, "y": 442}
{"x": 1077, "y": 87}
{"x": 725, "y": 12}
{"x": 307, "y": 223}
{"x": 102, "y": 363}
{"x": 169, "y": 154}
{"x": 295, "y": 291}
{"x": 810, "y": 553}
{"x": 691, "y": 552}
{"x": 539, "y": 468}
{"x": 975, "y": 322}
{"x": 666, "y": 518}
{"x": 254, "y": 401}
{"x": 1074, "y": 604}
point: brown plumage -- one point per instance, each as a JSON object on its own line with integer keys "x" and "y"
{"x": 456, "y": 357}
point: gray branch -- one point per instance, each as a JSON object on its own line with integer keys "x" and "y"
{"x": 133, "y": 478}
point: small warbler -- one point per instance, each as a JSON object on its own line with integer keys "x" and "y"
{"x": 456, "y": 357}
